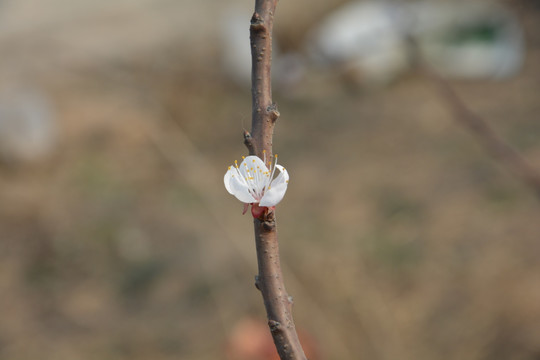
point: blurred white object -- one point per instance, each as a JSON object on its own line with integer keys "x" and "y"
{"x": 470, "y": 40}
{"x": 235, "y": 50}
{"x": 361, "y": 36}
{"x": 28, "y": 131}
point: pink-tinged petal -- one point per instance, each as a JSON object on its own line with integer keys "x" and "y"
{"x": 240, "y": 189}
{"x": 246, "y": 207}
{"x": 257, "y": 211}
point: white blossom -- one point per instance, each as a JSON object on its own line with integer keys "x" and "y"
{"x": 253, "y": 182}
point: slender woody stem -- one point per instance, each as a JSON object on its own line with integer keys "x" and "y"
{"x": 500, "y": 150}
{"x": 264, "y": 111}
{"x": 269, "y": 281}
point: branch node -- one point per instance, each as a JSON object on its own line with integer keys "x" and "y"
{"x": 290, "y": 299}
{"x": 258, "y": 282}
{"x": 268, "y": 221}
{"x": 273, "y": 111}
{"x": 275, "y": 326}
{"x": 257, "y": 23}
{"x": 268, "y": 225}
{"x": 248, "y": 141}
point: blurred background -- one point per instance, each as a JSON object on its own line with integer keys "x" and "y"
{"x": 401, "y": 238}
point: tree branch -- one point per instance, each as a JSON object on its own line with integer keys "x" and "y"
{"x": 269, "y": 281}
{"x": 264, "y": 112}
{"x": 500, "y": 150}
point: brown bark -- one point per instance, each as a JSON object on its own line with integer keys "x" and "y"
{"x": 277, "y": 302}
{"x": 269, "y": 281}
{"x": 264, "y": 111}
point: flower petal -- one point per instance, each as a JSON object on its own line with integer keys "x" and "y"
{"x": 274, "y": 195}
{"x": 283, "y": 175}
{"x": 277, "y": 189}
{"x": 240, "y": 189}
{"x": 251, "y": 162}
{"x": 227, "y": 180}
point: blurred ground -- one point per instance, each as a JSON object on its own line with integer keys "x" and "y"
{"x": 400, "y": 237}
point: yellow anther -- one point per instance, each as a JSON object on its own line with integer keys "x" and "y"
{"x": 243, "y": 157}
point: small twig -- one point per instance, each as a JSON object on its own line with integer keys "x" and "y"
{"x": 269, "y": 281}
{"x": 500, "y": 150}
{"x": 497, "y": 147}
